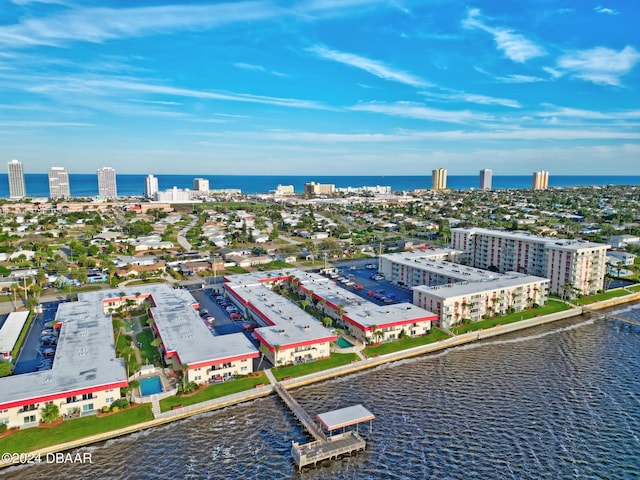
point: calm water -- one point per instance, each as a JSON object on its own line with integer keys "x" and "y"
{"x": 83, "y": 185}
{"x": 560, "y": 401}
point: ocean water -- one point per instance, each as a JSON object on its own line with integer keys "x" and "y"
{"x": 559, "y": 401}
{"x": 84, "y": 185}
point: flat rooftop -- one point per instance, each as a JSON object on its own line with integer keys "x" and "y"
{"x": 85, "y": 358}
{"x": 181, "y": 328}
{"x": 345, "y": 417}
{"x": 11, "y": 329}
{"x": 459, "y": 289}
{"x": 291, "y": 324}
{"x": 568, "y": 244}
{"x": 442, "y": 267}
{"x": 360, "y": 310}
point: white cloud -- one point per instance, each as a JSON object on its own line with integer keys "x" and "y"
{"x": 258, "y": 68}
{"x": 514, "y": 45}
{"x": 605, "y": 10}
{"x": 373, "y": 67}
{"x": 520, "y": 79}
{"x": 418, "y": 111}
{"x": 101, "y": 24}
{"x": 103, "y": 86}
{"x": 599, "y": 65}
{"x": 475, "y": 98}
{"x": 38, "y": 123}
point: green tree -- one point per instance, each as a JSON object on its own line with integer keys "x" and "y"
{"x": 6, "y": 368}
{"x": 50, "y": 413}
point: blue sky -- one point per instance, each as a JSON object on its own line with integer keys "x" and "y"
{"x": 333, "y": 87}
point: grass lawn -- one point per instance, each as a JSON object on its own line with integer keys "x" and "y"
{"x": 552, "y": 306}
{"x": 404, "y": 343}
{"x": 634, "y": 288}
{"x": 273, "y": 265}
{"x": 35, "y": 438}
{"x": 146, "y": 281}
{"x": 235, "y": 269}
{"x": 336, "y": 360}
{"x": 88, "y": 288}
{"x": 214, "y": 391}
{"x": 618, "y": 292}
{"x": 149, "y": 353}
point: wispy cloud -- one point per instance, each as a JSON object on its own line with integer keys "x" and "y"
{"x": 373, "y": 67}
{"x": 110, "y": 86}
{"x": 101, "y": 24}
{"x": 258, "y": 68}
{"x": 421, "y": 112}
{"x": 474, "y": 98}
{"x": 514, "y": 45}
{"x": 599, "y": 65}
{"x": 520, "y": 79}
{"x": 605, "y": 10}
{"x": 38, "y": 123}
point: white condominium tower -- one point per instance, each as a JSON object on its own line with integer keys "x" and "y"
{"x": 107, "y": 182}
{"x": 578, "y": 265}
{"x": 16, "y": 180}
{"x": 540, "y": 180}
{"x": 150, "y": 186}
{"x": 485, "y": 179}
{"x": 439, "y": 179}
{"x": 201, "y": 184}
{"x": 59, "y": 183}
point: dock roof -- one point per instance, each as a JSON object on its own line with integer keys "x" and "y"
{"x": 345, "y": 417}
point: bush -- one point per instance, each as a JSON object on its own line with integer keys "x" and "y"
{"x": 120, "y": 403}
{"x": 106, "y": 409}
{"x": 115, "y": 409}
{"x": 3, "y": 428}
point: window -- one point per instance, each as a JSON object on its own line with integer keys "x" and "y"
{"x": 29, "y": 419}
{"x": 88, "y": 407}
{"x": 110, "y": 400}
{"x": 87, "y": 396}
{"x": 4, "y": 421}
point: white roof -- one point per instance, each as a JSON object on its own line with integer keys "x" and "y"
{"x": 464, "y": 288}
{"x": 345, "y": 417}
{"x": 11, "y": 329}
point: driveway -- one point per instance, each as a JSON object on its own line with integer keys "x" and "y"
{"x": 29, "y": 358}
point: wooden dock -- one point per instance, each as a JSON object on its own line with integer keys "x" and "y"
{"x": 324, "y": 447}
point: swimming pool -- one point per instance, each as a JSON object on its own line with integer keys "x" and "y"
{"x": 149, "y": 386}
{"x": 342, "y": 343}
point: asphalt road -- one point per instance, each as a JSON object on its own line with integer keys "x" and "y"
{"x": 29, "y": 358}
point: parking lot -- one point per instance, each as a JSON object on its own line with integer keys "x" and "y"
{"x": 31, "y": 355}
{"x": 380, "y": 292}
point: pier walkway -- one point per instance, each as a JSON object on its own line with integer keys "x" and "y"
{"x": 325, "y": 447}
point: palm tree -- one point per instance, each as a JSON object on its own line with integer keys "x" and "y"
{"x": 184, "y": 367}
{"x": 14, "y": 288}
{"x": 133, "y": 384}
{"x": 263, "y": 351}
{"x": 327, "y": 321}
{"x": 275, "y": 356}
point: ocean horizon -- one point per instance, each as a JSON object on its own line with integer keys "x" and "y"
{"x": 86, "y": 185}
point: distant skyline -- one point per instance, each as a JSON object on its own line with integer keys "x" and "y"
{"x": 321, "y": 87}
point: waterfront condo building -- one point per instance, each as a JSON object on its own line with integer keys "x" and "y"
{"x": 572, "y": 266}
{"x": 457, "y": 302}
{"x": 107, "y": 182}
{"x": 201, "y": 184}
{"x": 540, "y": 180}
{"x": 313, "y": 188}
{"x": 485, "y": 179}
{"x": 17, "y": 188}
{"x": 439, "y": 179}
{"x": 59, "y": 183}
{"x": 85, "y": 375}
{"x": 150, "y": 186}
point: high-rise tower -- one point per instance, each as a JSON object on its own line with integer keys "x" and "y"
{"x": 150, "y": 186}
{"x": 201, "y": 184}
{"x": 16, "y": 180}
{"x": 439, "y": 179}
{"x": 485, "y": 179}
{"x": 59, "y": 183}
{"x": 540, "y": 180}
{"x": 107, "y": 182}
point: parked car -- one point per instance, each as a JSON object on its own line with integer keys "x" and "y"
{"x": 358, "y": 287}
{"x": 47, "y": 332}
{"x": 235, "y": 316}
{"x": 48, "y": 341}
{"x": 378, "y": 277}
{"x": 370, "y": 266}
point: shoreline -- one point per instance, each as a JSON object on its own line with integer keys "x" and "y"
{"x": 360, "y": 365}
